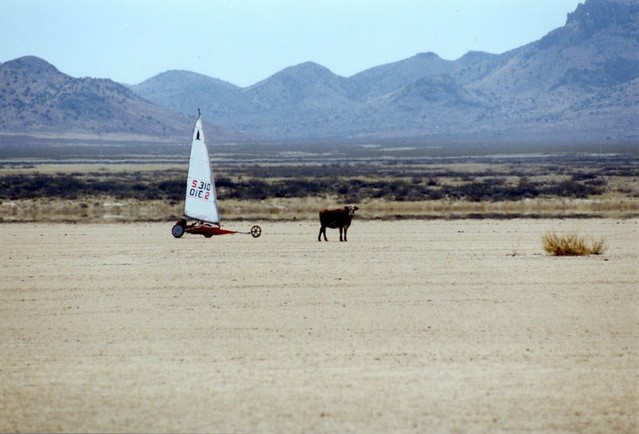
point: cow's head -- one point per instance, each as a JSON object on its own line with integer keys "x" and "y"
{"x": 351, "y": 209}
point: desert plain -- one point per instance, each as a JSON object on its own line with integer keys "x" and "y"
{"x": 411, "y": 326}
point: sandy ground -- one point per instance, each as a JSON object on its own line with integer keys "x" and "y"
{"x": 411, "y": 326}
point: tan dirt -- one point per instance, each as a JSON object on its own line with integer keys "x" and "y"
{"x": 411, "y": 326}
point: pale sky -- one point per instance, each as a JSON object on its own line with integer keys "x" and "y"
{"x": 246, "y": 41}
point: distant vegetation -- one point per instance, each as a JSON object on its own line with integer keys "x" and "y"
{"x": 287, "y": 184}
{"x": 393, "y": 184}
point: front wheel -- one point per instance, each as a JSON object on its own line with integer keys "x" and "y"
{"x": 256, "y": 231}
{"x": 178, "y": 230}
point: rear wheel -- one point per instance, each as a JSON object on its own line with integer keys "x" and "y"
{"x": 256, "y": 231}
{"x": 178, "y": 230}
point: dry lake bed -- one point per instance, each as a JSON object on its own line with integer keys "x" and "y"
{"x": 411, "y": 326}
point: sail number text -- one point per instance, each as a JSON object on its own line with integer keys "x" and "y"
{"x": 200, "y": 189}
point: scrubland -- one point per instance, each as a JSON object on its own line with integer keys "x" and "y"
{"x": 295, "y": 188}
{"x": 443, "y": 312}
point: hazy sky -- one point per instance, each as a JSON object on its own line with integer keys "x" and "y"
{"x": 245, "y": 41}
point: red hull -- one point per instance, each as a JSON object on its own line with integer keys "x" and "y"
{"x": 207, "y": 230}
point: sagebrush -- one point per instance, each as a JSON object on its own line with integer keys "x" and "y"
{"x": 572, "y": 244}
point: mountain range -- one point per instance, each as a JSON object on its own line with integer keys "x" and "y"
{"x": 579, "y": 83}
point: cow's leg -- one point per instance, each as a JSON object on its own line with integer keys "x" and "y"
{"x": 345, "y": 230}
{"x": 340, "y": 233}
{"x": 322, "y": 230}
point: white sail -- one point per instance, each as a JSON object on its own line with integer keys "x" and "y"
{"x": 201, "y": 200}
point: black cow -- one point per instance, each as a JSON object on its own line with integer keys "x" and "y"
{"x": 336, "y": 218}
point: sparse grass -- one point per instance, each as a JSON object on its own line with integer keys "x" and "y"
{"x": 572, "y": 244}
{"x": 295, "y": 188}
{"x": 109, "y": 208}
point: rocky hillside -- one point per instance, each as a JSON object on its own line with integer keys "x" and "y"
{"x": 578, "y": 83}
{"x": 37, "y": 98}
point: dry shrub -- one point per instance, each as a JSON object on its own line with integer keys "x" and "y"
{"x": 571, "y": 244}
